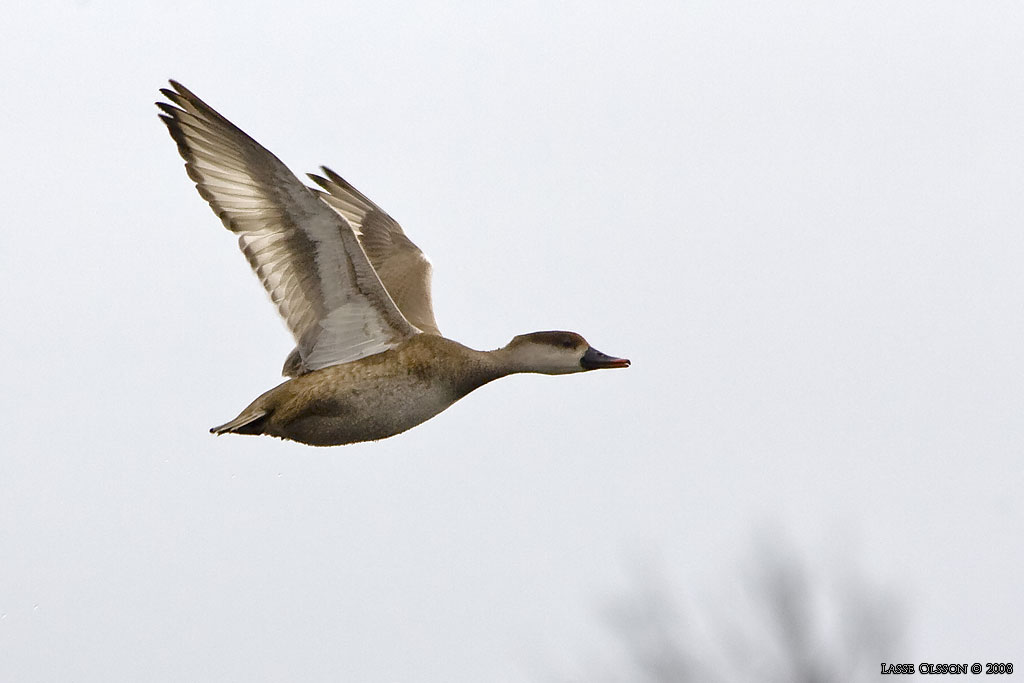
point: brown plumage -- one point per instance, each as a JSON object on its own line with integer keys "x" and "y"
{"x": 354, "y": 290}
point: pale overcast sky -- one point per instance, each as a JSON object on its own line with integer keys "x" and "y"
{"x": 802, "y": 221}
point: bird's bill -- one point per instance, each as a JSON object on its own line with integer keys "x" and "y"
{"x": 595, "y": 360}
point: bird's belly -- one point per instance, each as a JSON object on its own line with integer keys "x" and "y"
{"x": 367, "y": 414}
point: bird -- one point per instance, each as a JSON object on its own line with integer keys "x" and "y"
{"x": 354, "y": 291}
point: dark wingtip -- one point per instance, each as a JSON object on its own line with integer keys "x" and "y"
{"x": 319, "y": 180}
{"x": 333, "y": 176}
{"x": 179, "y": 90}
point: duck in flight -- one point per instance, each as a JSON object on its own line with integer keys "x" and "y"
{"x": 369, "y": 360}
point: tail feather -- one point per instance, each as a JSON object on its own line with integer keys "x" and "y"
{"x": 249, "y": 422}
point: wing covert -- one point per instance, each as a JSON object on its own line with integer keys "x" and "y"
{"x": 402, "y": 267}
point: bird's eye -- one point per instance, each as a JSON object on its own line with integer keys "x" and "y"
{"x": 567, "y": 343}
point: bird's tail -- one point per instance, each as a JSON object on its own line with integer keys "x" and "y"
{"x": 249, "y": 422}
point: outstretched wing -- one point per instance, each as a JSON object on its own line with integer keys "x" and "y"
{"x": 306, "y": 255}
{"x": 401, "y": 266}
